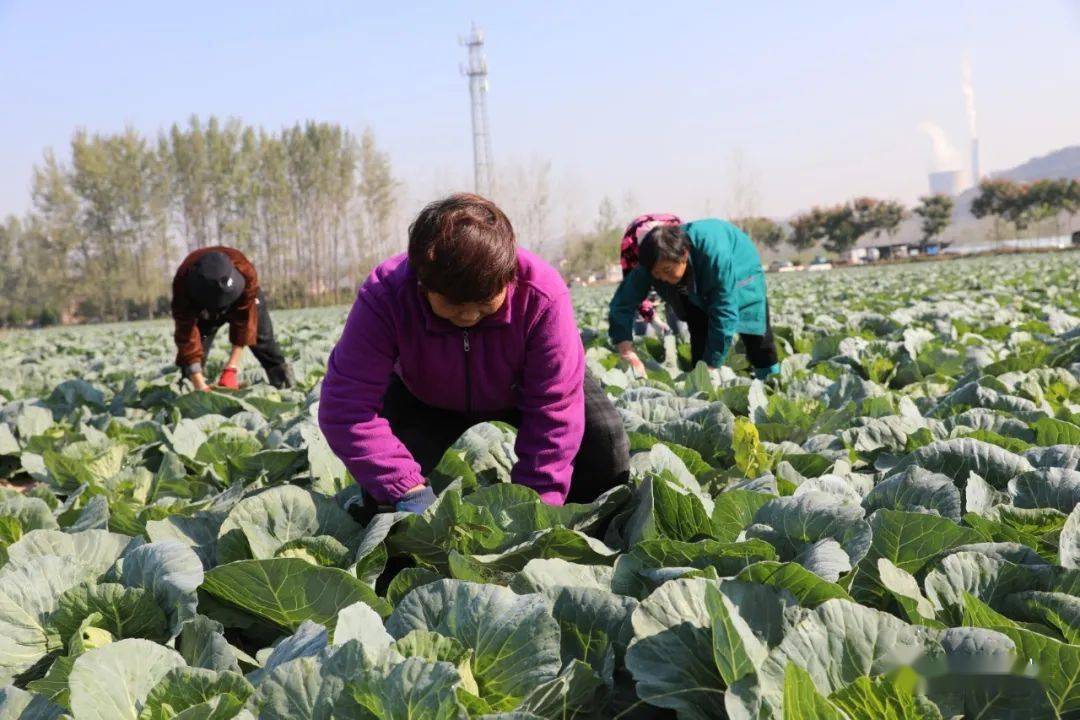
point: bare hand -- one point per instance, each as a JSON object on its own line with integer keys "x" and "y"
{"x": 626, "y": 352}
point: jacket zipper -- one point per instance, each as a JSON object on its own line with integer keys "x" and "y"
{"x": 468, "y": 384}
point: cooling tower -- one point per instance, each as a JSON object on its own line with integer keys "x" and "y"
{"x": 946, "y": 182}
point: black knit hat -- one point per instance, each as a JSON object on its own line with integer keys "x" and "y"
{"x": 214, "y": 282}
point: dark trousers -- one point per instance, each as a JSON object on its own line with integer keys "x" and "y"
{"x": 760, "y": 349}
{"x": 265, "y": 349}
{"x": 602, "y": 462}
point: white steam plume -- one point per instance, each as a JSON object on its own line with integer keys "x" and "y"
{"x": 969, "y": 96}
{"x": 945, "y": 155}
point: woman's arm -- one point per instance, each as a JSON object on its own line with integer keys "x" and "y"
{"x": 624, "y": 304}
{"x": 723, "y": 313}
{"x": 357, "y": 376}
{"x": 552, "y": 404}
{"x": 235, "y": 356}
{"x": 189, "y": 349}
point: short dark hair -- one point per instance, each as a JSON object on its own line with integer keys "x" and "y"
{"x": 463, "y": 248}
{"x": 663, "y": 242}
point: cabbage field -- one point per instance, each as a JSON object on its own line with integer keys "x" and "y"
{"x": 890, "y": 529}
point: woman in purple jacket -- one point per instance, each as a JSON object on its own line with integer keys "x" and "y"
{"x": 465, "y": 328}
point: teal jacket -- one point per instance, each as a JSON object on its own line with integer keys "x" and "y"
{"x": 727, "y": 283}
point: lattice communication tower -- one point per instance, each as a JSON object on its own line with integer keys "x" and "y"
{"x": 477, "y": 72}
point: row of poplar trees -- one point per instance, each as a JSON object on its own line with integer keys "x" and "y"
{"x": 311, "y": 205}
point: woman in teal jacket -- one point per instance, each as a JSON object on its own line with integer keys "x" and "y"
{"x": 710, "y": 272}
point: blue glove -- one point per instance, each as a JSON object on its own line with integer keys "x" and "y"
{"x": 417, "y": 502}
{"x": 762, "y": 373}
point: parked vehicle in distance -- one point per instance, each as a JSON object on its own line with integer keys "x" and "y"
{"x": 820, "y": 263}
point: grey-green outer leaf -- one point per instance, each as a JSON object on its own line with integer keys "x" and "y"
{"x": 112, "y": 682}
{"x": 671, "y": 656}
{"x": 514, "y": 637}
{"x": 288, "y": 591}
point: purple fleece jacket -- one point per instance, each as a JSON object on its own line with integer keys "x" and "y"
{"x": 527, "y": 356}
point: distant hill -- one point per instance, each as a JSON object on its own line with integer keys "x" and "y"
{"x": 965, "y": 228}
{"x": 1063, "y": 163}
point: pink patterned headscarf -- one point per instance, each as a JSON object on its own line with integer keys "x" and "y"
{"x": 635, "y": 231}
{"x": 628, "y": 250}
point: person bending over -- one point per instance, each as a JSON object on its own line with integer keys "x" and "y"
{"x": 710, "y": 272}
{"x": 214, "y": 286}
{"x": 628, "y": 260}
{"x": 467, "y": 327}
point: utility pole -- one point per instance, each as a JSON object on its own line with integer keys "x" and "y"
{"x": 476, "y": 71}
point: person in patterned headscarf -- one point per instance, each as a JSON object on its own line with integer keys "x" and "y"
{"x": 638, "y": 228}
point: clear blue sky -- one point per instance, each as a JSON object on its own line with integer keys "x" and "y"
{"x": 823, "y": 100}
